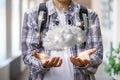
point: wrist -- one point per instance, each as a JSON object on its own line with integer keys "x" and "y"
{"x": 82, "y": 67}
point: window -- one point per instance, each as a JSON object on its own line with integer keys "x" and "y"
{"x": 107, "y": 13}
{"x": 107, "y": 25}
{"x": 15, "y": 27}
{"x": 2, "y": 30}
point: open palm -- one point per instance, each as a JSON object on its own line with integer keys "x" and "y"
{"x": 83, "y": 58}
{"x": 46, "y": 61}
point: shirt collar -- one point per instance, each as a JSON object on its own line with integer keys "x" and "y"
{"x": 52, "y": 9}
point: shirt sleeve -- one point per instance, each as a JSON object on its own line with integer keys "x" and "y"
{"x": 94, "y": 40}
{"x": 28, "y": 40}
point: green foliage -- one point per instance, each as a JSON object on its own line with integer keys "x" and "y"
{"x": 107, "y": 69}
{"x": 113, "y": 65}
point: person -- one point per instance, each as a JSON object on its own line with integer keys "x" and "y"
{"x": 82, "y": 61}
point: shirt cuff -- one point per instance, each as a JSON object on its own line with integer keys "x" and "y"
{"x": 38, "y": 68}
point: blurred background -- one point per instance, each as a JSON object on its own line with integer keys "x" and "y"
{"x": 11, "y": 17}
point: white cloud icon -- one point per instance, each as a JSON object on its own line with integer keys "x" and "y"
{"x": 63, "y": 37}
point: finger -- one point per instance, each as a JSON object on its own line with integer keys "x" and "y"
{"x": 35, "y": 54}
{"x": 87, "y": 61}
{"x": 45, "y": 64}
{"x": 50, "y": 64}
{"x": 81, "y": 62}
{"x": 59, "y": 63}
{"x": 74, "y": 61}
{"x": 91, "y": 51}
{"x": 56, "y": 61}
{"x": 84, "y": 60}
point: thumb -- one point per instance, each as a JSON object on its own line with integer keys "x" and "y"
{"x": 91, "y": 51}
{"x": 35, "y": 54}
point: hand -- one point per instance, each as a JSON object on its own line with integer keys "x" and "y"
{"x": 46, "y": 61}
{"x": 83, "y": 58}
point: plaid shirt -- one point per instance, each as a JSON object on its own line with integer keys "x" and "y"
{"x": 30, "y": 28}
